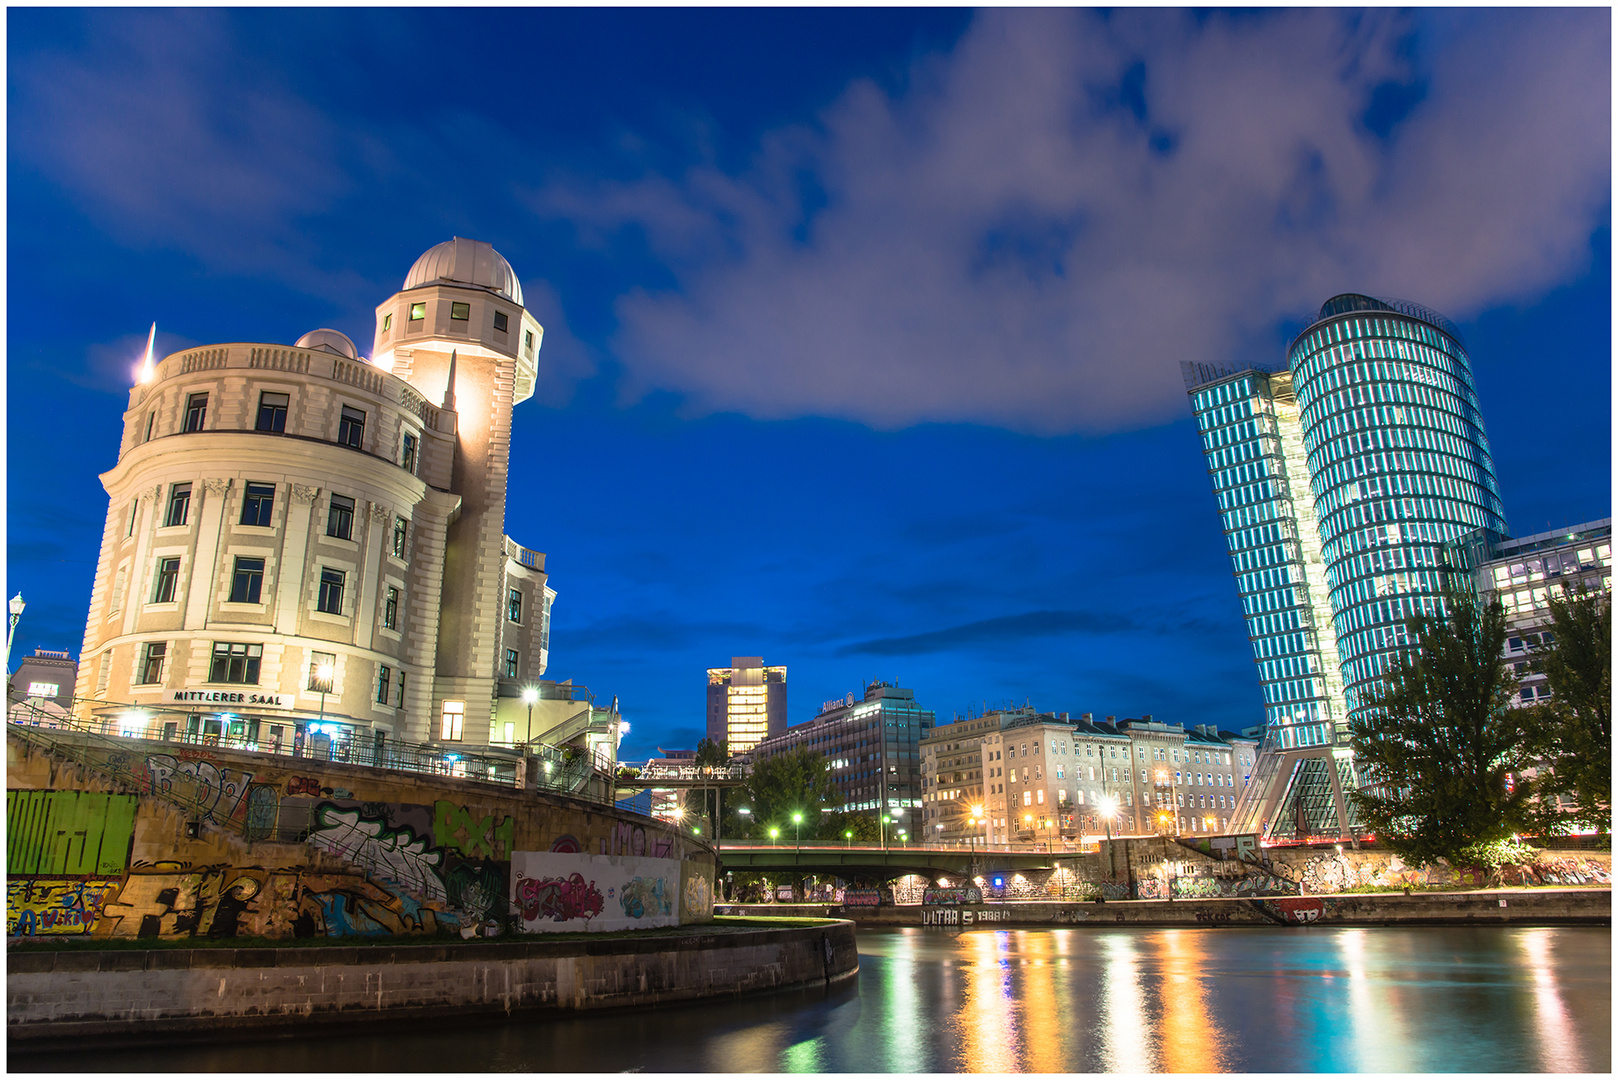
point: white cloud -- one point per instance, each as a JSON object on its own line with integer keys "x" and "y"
{"x": 1005, "y": 241}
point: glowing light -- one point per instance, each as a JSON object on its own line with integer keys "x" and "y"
{"x": 1108, "y": 805}
{"x": 144, "y": 372}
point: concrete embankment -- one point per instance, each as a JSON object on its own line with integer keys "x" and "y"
{"x": 1540, "y": 907}
{"x": 137, "y": 994}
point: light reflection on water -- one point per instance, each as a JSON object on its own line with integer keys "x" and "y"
{"x": 1462, "y": 999}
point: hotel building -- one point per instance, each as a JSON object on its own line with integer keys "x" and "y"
{"x": 302, "y": 543}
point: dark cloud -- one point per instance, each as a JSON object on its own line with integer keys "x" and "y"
{"x": 1007, "y": 628}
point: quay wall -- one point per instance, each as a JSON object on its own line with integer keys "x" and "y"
{"x": 138, "y": 994}
{"x": 1537, "y": 907}
{"x": 279, "y": 847}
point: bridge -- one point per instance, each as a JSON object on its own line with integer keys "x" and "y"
{"x": 872, "y": 860}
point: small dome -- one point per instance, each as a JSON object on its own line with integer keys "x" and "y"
{"x": 331, "y": 340}
{"x": 466, "y": 262}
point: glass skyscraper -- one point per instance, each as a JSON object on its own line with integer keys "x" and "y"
{"x": 1339, "y": 479}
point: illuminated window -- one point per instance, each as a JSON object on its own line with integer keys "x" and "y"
{"x": 460, "y": 312}
{"x": 454, "y": 718}
{"x": 43, "y": 689}
{"x": 511, "y": 663}
{"x": 387, "y": 321}
{"x": 418, "y": 311}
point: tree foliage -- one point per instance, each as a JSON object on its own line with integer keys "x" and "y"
{"x": 1572, "y": 731}
{"x": 798, "y": 781}
{"x": 1439, "y": 746}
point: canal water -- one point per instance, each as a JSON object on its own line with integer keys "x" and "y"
{"x": 1454, "y": 999}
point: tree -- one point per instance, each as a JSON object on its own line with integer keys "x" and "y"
{"x": 797, "y": 781}
{"x": 1572, "y": 731}
{"x": 1439, "y": 745}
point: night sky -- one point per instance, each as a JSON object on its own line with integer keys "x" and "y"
{"x": 863, "y": 328}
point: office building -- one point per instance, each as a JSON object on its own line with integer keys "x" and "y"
{"x": 48, "y": 675}
{"x": 873, "y": 744}
{"x": 1339, "y": 480}
{"x": 747, "y": 703}
{"x": 301, "y": 543}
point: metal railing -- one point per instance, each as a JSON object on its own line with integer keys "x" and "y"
{"x": 553, "y": 769}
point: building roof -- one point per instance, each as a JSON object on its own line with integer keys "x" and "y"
{"x": 331, "y": 340}
{"x": 466, "y": 262}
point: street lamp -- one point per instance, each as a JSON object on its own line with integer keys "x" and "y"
{"x": 977, "y": 819}
{"x": 1108, "y": 806}
{"x": 15, "y": 605}
{"x": 902, "y": 835}
{"x": 323, "y": 675}
{"x": 774, "y": 832}
{"x": 1164, "y": 778}
{"x": 885, "y": 820}
{"x": 848, "y": 837}
{"x": 797, "y": 820}
{"x": 530, "y": 694}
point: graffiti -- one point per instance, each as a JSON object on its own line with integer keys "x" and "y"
{"x": 55, "y": 906}
{"x": 1150, "y": 889}
{"x": 230, "y": 906}
{"x": 398, "y": 855}
{"x": 861, "y": 898}
{"x": 305, "y": 785}
{"x": 218, "y": 790}
{"x": 558, "y": 899}
{"x": 968, "y": 895}
{"x": 630, "y": 839}
{"x": 1215, "y": 916}
{"x": 568, "y": 844}
{"x": 697, "y": 898}
{"x": 1114, "y": 890}
{"x": 477, "y": 890}
{"x": 363, "y": 909}
{"x": 1297, "y": 910}
{"x": 646, "y": 896}
{"x": 1200, "y": 887}
{"x": 262, "y": 810}
{"x": 455, "y": 829}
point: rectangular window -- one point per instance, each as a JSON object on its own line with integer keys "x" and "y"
{"x": 331, "y": 591}
{"x": 322, "y": 671}
{"x": 351, "y": 428}
{"x": 196, "y": 412}
{"x": 500, "y": 321}
{"x": 460, "y": 312}
{"x": 387, "y": 321}
{"x": 399, "y": 531}
{"x": 528, "y": 343}
{"x": 514, "y": 605}
{"x": 418, "y": 310}
{"x": 246, "y": 580}
{"x": 179, "y": 505}
{"x": 401, "y": 689}
{"x": 511, "y": 663}
{"x": 272, "y": 412}
{"x": 235, "y": 663}
{"x": 258, "y": 504}
{"x": 390, "y": 609}
{"x": 134, "y": 512}
{"x": 454, "y": 719}
{"x": 168, "y": 573}
{"x": 151, "y": 662}
{"x": 151, "y": 418}
{"x": 407, "y": 455}
{"x": 384, "y": 684}
{"x": 340, "y": 517}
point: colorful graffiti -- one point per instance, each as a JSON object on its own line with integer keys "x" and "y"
{"x": 36, "y": 906}
{"x": 642, "y": 897}
{"x": 862, "y": 898}
{"x": 1299, "y": 910}
{"x": 1207, "y": 887}
{"x": 968, "y": 895}
{"x": 697, "y": 897}
{"x": 567, "y": 843}
{"x": 454, "y": 828}
{"x": 558, "y": 899}
{"x": 630, "y": 839}
{"x": 396, "y": 854}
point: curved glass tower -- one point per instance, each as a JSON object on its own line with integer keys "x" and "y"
{"x": 1398, "y": 463}
{"x": 1339, "y": 480}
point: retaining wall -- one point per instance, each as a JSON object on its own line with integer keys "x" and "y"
{"x": 136, "y": 994}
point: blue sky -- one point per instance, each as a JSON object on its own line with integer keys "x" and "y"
{"x": 863, "y": 327}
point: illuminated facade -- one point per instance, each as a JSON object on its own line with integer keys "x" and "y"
{"x": 747, "y": 703}
{"x": 303, "y": 545}
{"x": 1339, "y": 481}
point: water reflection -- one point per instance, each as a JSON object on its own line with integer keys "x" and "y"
{"x": 1091, "y": 999}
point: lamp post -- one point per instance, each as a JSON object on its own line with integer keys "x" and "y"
{"x": 1108, "y": 806}
{"x": 848, "y": 837}
{"x": 902, "y": 841}
{"x": 15, "y": 606}
{"x": 774, "y": 832}
{"x": 323, "y": 675}
{"x": 530, "y": 694}
{"x": 977, "y": 819}
{"x": 885, "y": 820}
{"x": 797, "y": 843}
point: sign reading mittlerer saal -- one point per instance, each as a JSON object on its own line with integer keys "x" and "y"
{"x": 257, "y": 699}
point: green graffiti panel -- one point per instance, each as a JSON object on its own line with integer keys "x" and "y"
{"x": 68, "y": 832}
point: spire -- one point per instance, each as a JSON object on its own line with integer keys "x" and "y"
{"x": 144, "y": 372}
{"x": 449, "y": 386}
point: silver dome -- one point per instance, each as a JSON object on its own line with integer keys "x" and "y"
{"x": 331, "y": 340}
{"x": 466, "y": 262}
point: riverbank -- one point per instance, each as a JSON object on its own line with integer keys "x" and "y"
{"x": 58, "y": 997}
{"x": 1530, "y": 907}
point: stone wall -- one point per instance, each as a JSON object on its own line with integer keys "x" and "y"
{"x": 285, "y": 847}
{"x": 135, "y": 994}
